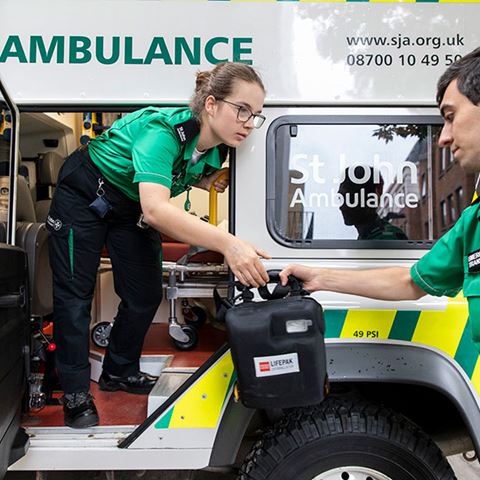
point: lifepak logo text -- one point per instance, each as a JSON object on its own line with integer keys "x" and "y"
{"x": 276, "y": 365}
{"x": 474, "y": 262}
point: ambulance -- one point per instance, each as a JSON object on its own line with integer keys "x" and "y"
{"x": 350, "y": 101}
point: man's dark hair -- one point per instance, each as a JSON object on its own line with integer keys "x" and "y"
{"x": 359, "y": 171}
{"x": 466, "y": 71}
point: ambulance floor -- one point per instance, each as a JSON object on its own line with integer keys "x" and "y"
{"x": 120, "y": 408}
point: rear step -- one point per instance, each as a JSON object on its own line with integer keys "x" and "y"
{"x": 170, "y": 380}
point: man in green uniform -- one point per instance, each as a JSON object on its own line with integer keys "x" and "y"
{"x": 453, "y": 263}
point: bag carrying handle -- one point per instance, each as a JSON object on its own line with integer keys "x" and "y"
{"x": 294, "y": 287}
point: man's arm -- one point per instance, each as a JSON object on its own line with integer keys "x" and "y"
{"x": 393, "y": 283}
{"x": 160, "y": 214}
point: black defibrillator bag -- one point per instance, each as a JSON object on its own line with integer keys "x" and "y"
{"x": 278, "y": 346}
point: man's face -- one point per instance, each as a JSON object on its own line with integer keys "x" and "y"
{"x": 461, "y": 130}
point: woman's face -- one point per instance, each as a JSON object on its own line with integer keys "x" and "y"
{"x": 223, "y": 116}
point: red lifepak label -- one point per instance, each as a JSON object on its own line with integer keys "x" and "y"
{"x": 276, "y": 365}
{"x": 264, "y": 366}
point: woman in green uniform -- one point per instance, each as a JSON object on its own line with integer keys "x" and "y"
{"x": 134, "y": 168}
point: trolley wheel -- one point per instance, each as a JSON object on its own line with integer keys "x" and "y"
{"x": 192, "y": 341}
{"x": 196, "y": 316}
{"x": 101, "y": 334}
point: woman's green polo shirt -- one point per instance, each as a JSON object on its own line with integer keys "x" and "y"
{"x": 153, "y": 145}
{"x": 453, "y": 264}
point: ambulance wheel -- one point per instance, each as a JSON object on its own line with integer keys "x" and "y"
{"x": 342, "y": 440}
{"x": 196, "y": 317}
{"x": 192, "y": 341}
{"x": 101, "y": 334}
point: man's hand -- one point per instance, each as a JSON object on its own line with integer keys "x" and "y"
{"x": 243, "y": 259}
{"x": 218, "y": 179}
{"x": 309, "y": 276}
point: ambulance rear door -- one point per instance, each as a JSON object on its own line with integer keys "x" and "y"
{"x": 14, "y": 309}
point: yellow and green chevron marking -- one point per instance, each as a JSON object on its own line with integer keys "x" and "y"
{"x": 200, "y": 406}
{"x": 448, "y": 330}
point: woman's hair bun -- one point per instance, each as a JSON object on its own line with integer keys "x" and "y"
{"x": 201, "y": 80}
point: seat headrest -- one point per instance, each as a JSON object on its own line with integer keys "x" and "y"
{"x": 5, "y": 161}
{"x": 25, "y": 206}
{"x": 50, "y": 165}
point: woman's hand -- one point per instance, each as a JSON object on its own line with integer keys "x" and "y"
{"x": 244, "y": 261}
{"x": 220, "y": 184}
{"x": 309, "y": 276}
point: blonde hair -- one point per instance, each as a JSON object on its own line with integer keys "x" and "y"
{"x": 219, "y": 83}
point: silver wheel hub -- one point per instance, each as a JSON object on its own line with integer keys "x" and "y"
{"x": 351, "y": 473}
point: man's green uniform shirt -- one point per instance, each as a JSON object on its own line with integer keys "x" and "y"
{"x": 153, "y": 145}
{"x": 380, "y": 229}
{"x": 454, "y": 263}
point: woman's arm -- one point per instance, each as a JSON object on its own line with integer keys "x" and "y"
{"x": 160, "y": 214}
{"x": 393, "y": 283}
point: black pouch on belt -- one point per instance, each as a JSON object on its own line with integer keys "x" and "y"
{"x": 277, "y": 346}
{"x": 101, "y": 206}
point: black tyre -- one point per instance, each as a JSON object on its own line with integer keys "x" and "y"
{"x": 345, "y": 441}
{"x": 192, "y": 341}
{"x": 197, "y": 317}
{"x": 100, "y": 334}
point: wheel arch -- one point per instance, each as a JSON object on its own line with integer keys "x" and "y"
{"x": 355, "y": 362}
{"x": 407, "y": 363}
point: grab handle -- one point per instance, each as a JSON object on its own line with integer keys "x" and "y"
{"x": 213, "y": 201}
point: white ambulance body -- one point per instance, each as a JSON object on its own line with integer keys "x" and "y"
{"x": 348, "y": 85}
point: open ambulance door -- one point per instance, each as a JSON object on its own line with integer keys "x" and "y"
{"x": 14, "y": 303}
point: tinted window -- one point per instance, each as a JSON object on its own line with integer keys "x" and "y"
{"x": 348, "y": 184}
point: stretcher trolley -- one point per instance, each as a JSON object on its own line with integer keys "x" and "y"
{"x": 189, "y": 272}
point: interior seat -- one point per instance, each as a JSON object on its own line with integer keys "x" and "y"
{"x": 32, "y": 237}
{"x": 49, "y": 167}
{"x": 5, "y": 164}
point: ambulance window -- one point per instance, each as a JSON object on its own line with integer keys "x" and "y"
{"x": 349, "y": 184}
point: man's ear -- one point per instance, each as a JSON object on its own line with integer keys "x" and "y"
{"x": 210, "y": 105}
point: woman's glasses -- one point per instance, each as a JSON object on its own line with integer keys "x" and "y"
{"x": 244, "y": 114}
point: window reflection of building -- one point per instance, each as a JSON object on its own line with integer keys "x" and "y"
{"x": 417, "y": 219}
{"x": 450, "y": 193}
{"x": 412, "y": 220}
{"x": 439, "y": 187}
